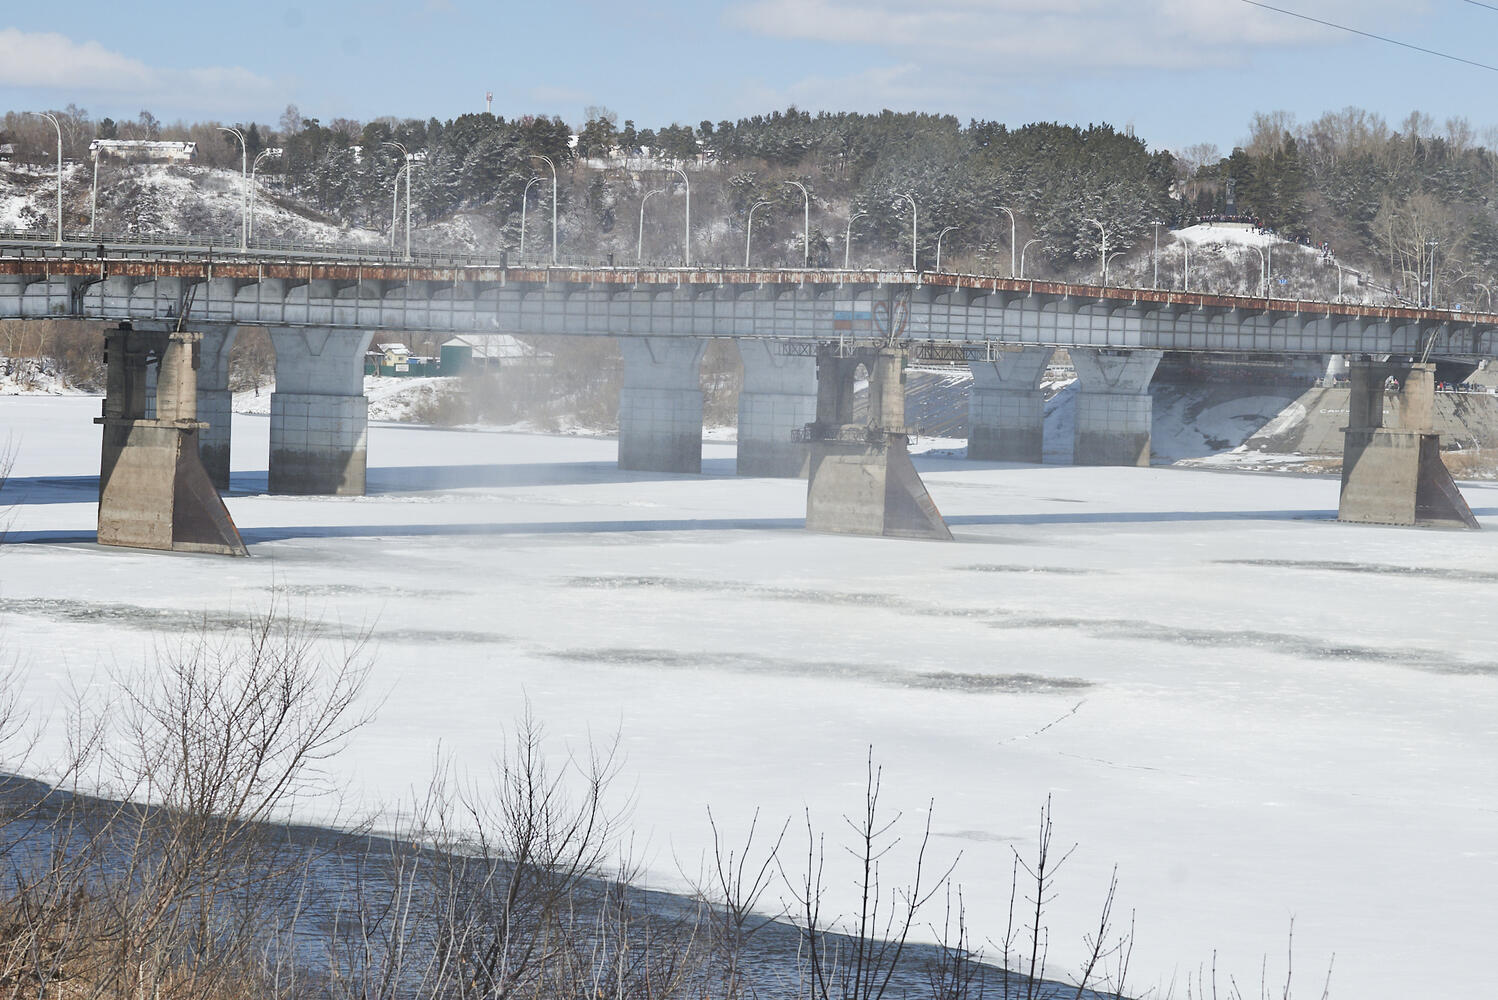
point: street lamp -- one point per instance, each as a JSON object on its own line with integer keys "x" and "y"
{"x": 1028, "y": 244}
{"x": 395, "y": 193}
{"x": 553, "y": 166}
{"x": 686, "y": 240}
{"x": 749, "y": 230}
{"x": 258, "y": 157}
{"x": 244, "y": 171}
{"x": 93, "y": 200}
{"x": 1488, "y": 291}
{"x": 1116, "y": 253}
{"x": 1156, "y": 283}
{"x": 805, "y": 222}
{"x": 1186, "y": 267}
{"x": 57, "y": 125}
{"x": 525, "y": 197}
{"x": 914, "y": 213}
{"x": 640, "y": 240}
{"x": 1262, "y": 268}
{"x": 1103, "y": 254}
{"x": 939, "y": 235}
{"x": 411, "y": 160}
{"x": 848, "y": 238}
{"x": 1013, "y": 230}
{"x": 1430, "y": 298}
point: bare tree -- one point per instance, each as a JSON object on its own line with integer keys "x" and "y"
{"x": 733, "y": 892}
{"x": 875, "y": 936}
{"x": 520, "y": 855}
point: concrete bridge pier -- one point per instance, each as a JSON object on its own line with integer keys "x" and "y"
{"x": 1006, "y": 406}
{"x": 153, "y": 490}
{"x": 215, "y": 401}
{"x": 660, "y": 404}
{"x": 861, "y": 480}
{"x": 319, "y": 417}
{"x": 1392, "y": 471}
{"x": 778, "y": 398}
{"x": 1114, "y": 409}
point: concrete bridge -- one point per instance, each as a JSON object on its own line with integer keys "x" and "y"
{"x": 321, "y": 312}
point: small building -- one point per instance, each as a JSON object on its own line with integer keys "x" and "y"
{"x": 7, "y": 152}
{"x": 489, "y": 352}
{"x": 144, "y": 150}
{"x": 397, "y": 360}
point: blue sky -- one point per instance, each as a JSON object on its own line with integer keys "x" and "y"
{"x": 1180, "y": 71}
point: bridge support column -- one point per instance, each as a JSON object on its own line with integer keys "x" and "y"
{"x": 861, "y": 480}
{"x": 215, "y": 401}
{"x": 1393, "y": 474}
{"x": 1006, "y": 406}
{"x": 660, "y": 404}
{"x": 153, "y": 490}
{"x": 319, "y": 418}
{"x": 778, "y": 398}
{"x": 1114, "y": 409}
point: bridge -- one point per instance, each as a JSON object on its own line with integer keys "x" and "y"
{"x": 321, "y": 309}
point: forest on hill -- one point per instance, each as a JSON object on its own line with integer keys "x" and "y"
{"x": 1408, "y": 203}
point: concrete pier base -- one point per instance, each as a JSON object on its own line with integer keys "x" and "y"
{"x": 660, "y": 404}
{"x": 319, "y": 418}
{"x": 154, "y": 492}
{"x": 1114, "y": 409}
{"x": 861, "y": 480}
{"x": 1006, "y": 408}
{"x": 778, "y": 399}
{"x": 215, "y": 401}
{"x": 1392, "y": 473}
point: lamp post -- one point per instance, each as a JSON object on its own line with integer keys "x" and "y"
{"x": 805, "y": 222}
{"x": 244, "y": 192}
{"x": 1156, "y": 283}
{"x": 1488, "y": 291}
{"x": 1116, "y": 253}
{"x": 848, "y": 239}
{"x": 1103, "y": 254}
{"x": 1340, "y": 269}
{"x": 686, "y": 239}
{"x": 1028, "y": 244}
{"x": 525, "y": 197}
{"x": 395, "y": 190}
{"x": 1013, "y": 230}
{"x": 258, "y": 157}
{"x": 1430, "y": 298}
{"x": 411, "y": 160}
{"x": 553, "y": 166}
{"x": 939, "y": 235}
{"x": 58, "y": 126}
{"x": 914, "y": 214}
{"x": 749, "y": 229}
{"x": 640, "y": 239}
{"x": 1186, "y": 267}
{"x": 93, "y": 200}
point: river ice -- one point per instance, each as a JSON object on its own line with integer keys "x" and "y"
{"x": 1256, "y": 713}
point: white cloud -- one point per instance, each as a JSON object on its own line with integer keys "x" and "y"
{"x": 47, "y": 60}
{"x": 1060, "y": 36}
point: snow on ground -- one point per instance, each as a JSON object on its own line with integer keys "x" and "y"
{"x": 1234, "y": 233}
{"x": 24, "y": 376}
{"x": 1256, "y": 713}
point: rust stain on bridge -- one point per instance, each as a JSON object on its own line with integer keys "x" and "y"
{"x": 311, "y": 270}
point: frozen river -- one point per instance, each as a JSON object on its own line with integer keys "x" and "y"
{"x": 1256, "y": 713}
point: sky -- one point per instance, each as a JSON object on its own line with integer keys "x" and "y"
{"x": 1179, "y": 72}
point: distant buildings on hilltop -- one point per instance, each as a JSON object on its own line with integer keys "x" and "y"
{"x": 145, "y": 150}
